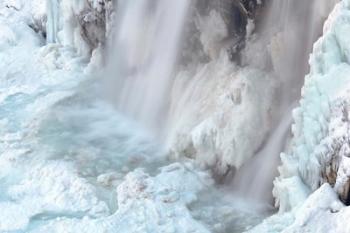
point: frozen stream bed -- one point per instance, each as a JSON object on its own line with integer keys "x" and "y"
{"x": 70, "y": 163}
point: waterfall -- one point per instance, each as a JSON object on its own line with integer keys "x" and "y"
{"x": 290, "y": 30}
{"x": 145, "y": 48}
{"x": 254, "y": 179}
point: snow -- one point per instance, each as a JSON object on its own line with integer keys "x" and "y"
{"x": 145, "y": 204}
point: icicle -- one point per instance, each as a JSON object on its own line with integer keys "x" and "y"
{"x": 52, "y": 20}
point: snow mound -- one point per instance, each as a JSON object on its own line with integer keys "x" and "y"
{"x": 146, "y": 204}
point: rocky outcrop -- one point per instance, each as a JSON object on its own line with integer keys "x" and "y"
{"x": 93, "y": 22}
{"x": 82, "y": 25}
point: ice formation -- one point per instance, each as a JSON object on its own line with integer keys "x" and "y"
{"x": 317, "y": 163}
{"x": 321, "y": 119}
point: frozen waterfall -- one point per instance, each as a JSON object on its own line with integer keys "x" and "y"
{"x": 144, "y": 52}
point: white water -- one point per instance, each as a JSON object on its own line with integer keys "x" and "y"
{"x": 144, "y": 53}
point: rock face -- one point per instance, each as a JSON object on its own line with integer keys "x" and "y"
{"x": 237, "y": 12}
{"x": 335, "y": 159}
{"x": 82, "y": 25}
{"x": 93, "y": 22}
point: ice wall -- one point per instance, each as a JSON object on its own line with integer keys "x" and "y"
{"x": 320, "y": 147}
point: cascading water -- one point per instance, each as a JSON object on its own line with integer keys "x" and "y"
{"x": 145, "y": 49}
{"x": 262, "y": 167}
{"x": 299, "y": 24}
